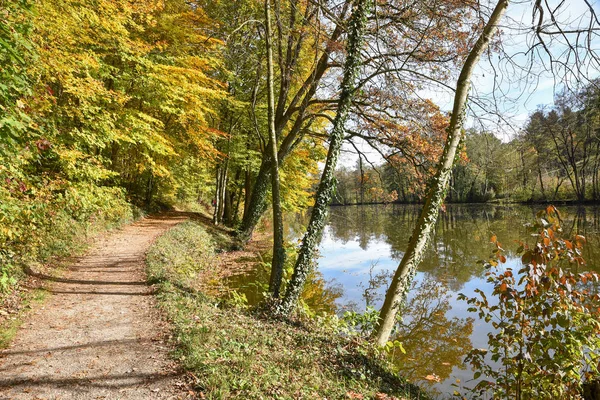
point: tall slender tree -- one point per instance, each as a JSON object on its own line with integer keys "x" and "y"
{"x": 296, "y": 107}
{"x": 402, "y": 52}
{"x": 278, "y": 250}
{"x": 423, "y": 231}
{"x": 357, "y": 26}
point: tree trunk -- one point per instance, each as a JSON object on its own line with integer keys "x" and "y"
{"x": 559, "y": 182}
{"x": 541, "y": 180}
{"x": 247, "y": 190}
{"x": 228, "y": 207}
{"x": 594, "y": 174}
{"x": 257, "y": 205}
{"x": 217, "y": 198}
{"x": 362, "y": 180}
{"x": 232, "y": 200}
{"x": 298, "y": 106}
{"x": 426, "y": 223}
{"x": 221, "y": 176}
{"x": 223, "y": 190}
{"x": 278, "y": 250}
{"x": 149, "y": 189}
{"x": 524, "y": 182}
{"x": 236, "y": 208}
{"x": 324, "y": 194}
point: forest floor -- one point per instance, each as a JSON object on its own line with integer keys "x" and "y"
{"x": 98, "y": 335}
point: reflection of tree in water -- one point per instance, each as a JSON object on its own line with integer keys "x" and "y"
{"x": 461, "y": 239}
{"x": 433, "y": 342}
{"x": 584, "y": 221}
{"x": 462, "y": 235}
{"x": 319, "y": 294}
{"x": 363, "y": 224}
{"x": 374, "y": 287}
{"x": 295, "y": 224}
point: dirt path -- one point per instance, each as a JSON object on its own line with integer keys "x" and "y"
{"x": 99, "y": 335}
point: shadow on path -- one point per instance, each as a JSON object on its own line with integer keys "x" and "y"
{"x": 100, "y": 334}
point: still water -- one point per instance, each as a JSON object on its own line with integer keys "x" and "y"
{"x": 362, "y": 246}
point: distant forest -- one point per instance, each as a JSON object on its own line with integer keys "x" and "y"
{"x": 554, "y": 157}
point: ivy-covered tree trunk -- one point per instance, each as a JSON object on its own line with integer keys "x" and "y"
{"x": 304, "y": 262}
{"x": 400, "y": 284}
{"x": 278, "y": 250}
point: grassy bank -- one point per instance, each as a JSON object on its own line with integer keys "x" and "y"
{"x": 234, "y": 352}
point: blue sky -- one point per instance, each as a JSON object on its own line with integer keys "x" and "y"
{"x": 513, "y": 89}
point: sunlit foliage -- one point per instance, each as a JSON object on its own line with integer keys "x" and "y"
{"x": 545, "y": 341}
{"x": 98, "y": 102}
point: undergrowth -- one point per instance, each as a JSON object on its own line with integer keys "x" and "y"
{"x": 235, "y": 352}
{"x": 37, "y": 229}
{"x": 10, "y": 325}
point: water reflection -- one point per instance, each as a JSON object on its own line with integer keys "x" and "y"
{"x": 319, "y": 294}
{"x": 362, "y": 245}
{"x": 361, "y": 242}
{"x": 435, "y": 343}
{"x": 461, "y": 238}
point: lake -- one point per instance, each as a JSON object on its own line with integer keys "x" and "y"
{"x": 362, "y": 245}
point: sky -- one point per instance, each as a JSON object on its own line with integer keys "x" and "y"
{"x": 515, "y": 91}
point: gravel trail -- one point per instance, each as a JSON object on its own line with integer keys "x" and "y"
{"x": 99, "y": 334}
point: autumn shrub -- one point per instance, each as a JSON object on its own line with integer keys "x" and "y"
{"x": 544, "y": 341}
{"x": 49, "y": 203}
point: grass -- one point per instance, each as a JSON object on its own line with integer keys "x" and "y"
{"x": 234, "y": 352}
{"x": 10, "y": 326}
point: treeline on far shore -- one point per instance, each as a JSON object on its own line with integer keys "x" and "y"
{"x": 554, "y": 158}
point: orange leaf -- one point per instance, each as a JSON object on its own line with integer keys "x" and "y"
{"x": 433, "y": 378}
